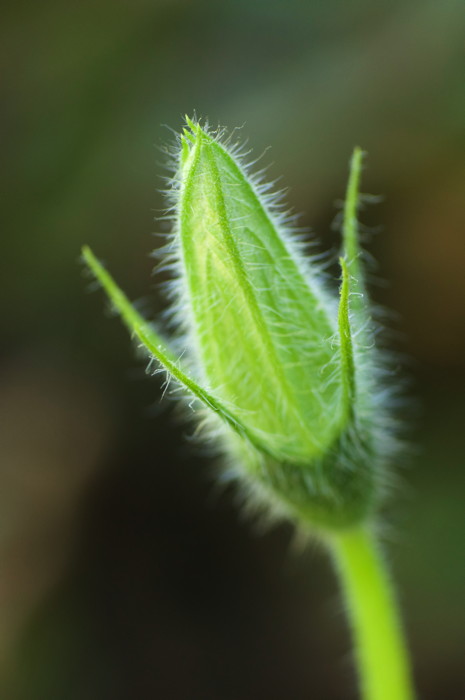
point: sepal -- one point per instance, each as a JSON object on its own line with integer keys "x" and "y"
{"x": 157, "y": 348}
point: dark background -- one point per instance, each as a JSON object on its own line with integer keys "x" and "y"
{"x": 123, "y": 572}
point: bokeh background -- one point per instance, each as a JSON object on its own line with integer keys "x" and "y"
{"x": 124, "y": 573}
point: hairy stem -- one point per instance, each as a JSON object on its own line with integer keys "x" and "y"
{"x": 381, "y": 654}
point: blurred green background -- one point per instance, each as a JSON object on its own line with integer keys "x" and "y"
{"x": 123, "y": 572}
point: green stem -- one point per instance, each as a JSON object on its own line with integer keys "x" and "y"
{"x": 381, "y": 654}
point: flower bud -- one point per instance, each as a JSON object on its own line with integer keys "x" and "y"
{"x": 262, "y": 329}
{"x": 282, "y": 364}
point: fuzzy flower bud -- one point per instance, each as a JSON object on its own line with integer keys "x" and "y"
{"x": 285, "y": 369}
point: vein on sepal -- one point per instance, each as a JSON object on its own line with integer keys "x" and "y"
{"x": 350, "y": 225}
{"x": 345, "y": 340}
{"x": 350, "y": 235}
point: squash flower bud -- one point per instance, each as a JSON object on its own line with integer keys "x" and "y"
{"x": 285, "y": 368}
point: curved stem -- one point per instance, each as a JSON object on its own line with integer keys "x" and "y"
{"x": 381, "y": 655}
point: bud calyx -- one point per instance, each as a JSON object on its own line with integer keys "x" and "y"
{"x": 284, "y": 366}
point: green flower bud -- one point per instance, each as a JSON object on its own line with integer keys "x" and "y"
{"x": 261, "y": 329}
{"x": 286, "y": 369}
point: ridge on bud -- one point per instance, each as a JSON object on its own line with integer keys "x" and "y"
{"x": 284, "y": 368}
